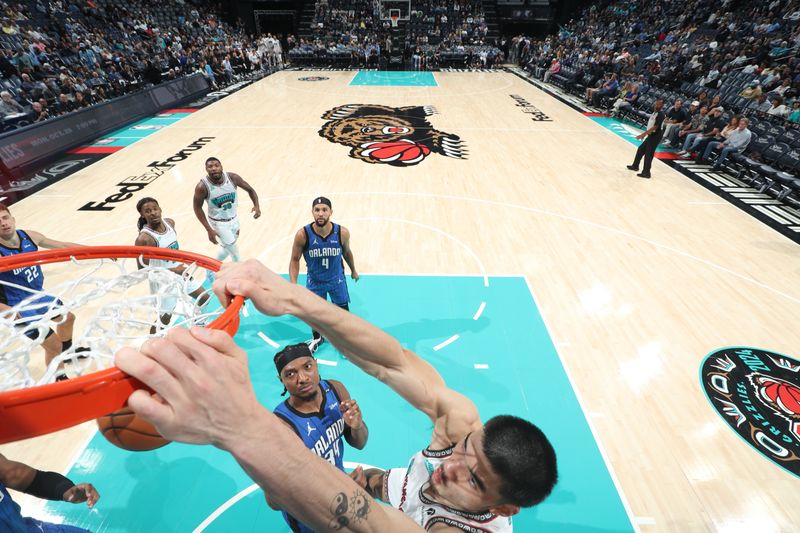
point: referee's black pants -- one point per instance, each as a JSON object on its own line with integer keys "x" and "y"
{"x": 647, "y": 150}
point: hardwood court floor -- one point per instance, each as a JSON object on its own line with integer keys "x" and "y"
{"x": 637, "y": 279}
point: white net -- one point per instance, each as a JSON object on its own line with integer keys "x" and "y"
{"x": 116, "y": 305}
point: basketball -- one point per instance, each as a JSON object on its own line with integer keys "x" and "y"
{"x": 125, "y": 430}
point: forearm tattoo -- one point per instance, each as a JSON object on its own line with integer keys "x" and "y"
{"x": 349, "y": 511}
{"x": 376, "y": 484}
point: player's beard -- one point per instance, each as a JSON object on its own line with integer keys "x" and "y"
{"x": 311, "y": 396}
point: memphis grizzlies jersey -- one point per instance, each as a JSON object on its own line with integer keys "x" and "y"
{"x": 30, "y": 277}
{"x": 222, "y": 199}
{"x": 11, "y": 520}
{"x": 320, "y": 432}
{"x": 324, "y": 257}
{"x": 406, "y": 489}
{"x": 168, "y": 239}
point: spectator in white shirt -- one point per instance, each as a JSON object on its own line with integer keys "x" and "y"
{"x": 737, "y": 141}
{"x": 777, "y": 109}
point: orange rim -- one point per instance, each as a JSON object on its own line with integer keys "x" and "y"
{"x": 35, "y": 411}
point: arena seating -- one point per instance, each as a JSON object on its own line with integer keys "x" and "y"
{"x": 683, "y": 49}
{"x": 57, "y": 56}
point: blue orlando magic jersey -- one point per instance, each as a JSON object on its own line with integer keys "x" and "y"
{"x": 11, "y": 520}
{"x": 320, "y": 432}
{"x": 324, "y": 257}
{"x": 28, "y": 276}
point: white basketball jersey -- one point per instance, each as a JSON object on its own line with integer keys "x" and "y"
{"x": 222, "y": 200}
{"x": 406, "y": 487}
{"x": 168, "y": 239}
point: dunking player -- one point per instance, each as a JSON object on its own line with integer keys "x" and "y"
{"x": 47, "y": 485}
{"x": 16, "y": 241}
{"x": 154, "y": 230}
{"x": 218, "y": 189}
{"x": 323, "y": 244}
{"x": 319, "y": 411}
{"x": 471, "y": 477}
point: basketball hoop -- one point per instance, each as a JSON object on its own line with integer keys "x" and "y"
{"x": 99, "y": 277}
{"x": 394, "y": 18}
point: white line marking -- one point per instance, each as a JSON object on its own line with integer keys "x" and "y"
{"x": 435, "y": 230}
{"x": 327, "y": 363}
{"x": 252, "y": 488}
{"x": 507, "y": 205}
{"x": 600, "y": 447}
{"x": 480, "y": 366}
{"x": 478, "y": 314}
{"x": 268, "y": 340}
{"x": 451, "y": 340}
{"x": 439, "y": 274}
{"x": 224, "y": 507}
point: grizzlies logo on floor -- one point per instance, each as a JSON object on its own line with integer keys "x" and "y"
{"x": 397, "y": 136}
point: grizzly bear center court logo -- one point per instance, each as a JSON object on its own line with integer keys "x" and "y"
{"x": 758, "y": 394}
{"x": 397, "y": 136}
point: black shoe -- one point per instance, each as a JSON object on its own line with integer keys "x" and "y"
{"x": 62, "y": 377}
{"x": 633, "y": 167}
{"x": 643, "y": 174}
{"x": 313, "y": 344}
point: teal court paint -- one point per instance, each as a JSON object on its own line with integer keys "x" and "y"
{"x": 394, "y": 79}
{"x": 139, "y": 130}
{"x": 502, "y": 358}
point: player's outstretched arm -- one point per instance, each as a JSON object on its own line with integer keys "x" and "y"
{"x": 373, "y": 350}
{"x": 348, "y": 254}
{"x": 45, "y": 242}
{"x": 239, "y": 181}
{"x": 205, "y": 396}
{"x": 46, "y": 485}
{"x": 297, "y": 252}
{"x": 200, "y": 194}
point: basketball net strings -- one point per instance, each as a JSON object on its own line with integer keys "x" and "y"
{"x": 124, "y": 321}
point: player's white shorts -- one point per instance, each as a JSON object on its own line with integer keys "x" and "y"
{"x": 167, "y": 302}
{"x": 228, "y": 231}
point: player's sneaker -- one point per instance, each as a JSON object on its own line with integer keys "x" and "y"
{"x": 80, "y": 350}
{"x": 314, "y": 344}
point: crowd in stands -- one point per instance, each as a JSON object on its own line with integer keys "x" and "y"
{"x": 57, "y": 56}
{"x": 720, "y": 66}
{"x": 671, "y": 43}
{"x": 353, "y": 32}
{"x": 345, "y": 30}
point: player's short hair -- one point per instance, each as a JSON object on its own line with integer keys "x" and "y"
{"x": 522, "y": 457}
{"x": 139, "y": 205}
{"x": 212, "y": 158}
{"x": 4, "y": 207}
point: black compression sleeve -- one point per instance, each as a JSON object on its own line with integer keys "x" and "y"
{"x": 49, "y": 485}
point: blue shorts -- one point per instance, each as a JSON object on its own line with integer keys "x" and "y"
{"x": 38, "y": 526}
{"x": 42, "y": 306}
{"x": 336, "y": 289}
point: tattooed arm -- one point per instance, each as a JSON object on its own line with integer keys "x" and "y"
{"x": 205, "y": 396}
{"x": 372, "y": 480}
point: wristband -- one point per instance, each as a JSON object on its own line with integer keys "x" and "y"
{"x": 49, "y": 485}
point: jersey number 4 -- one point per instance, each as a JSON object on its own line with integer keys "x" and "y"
{"x": 325, "y": 262}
